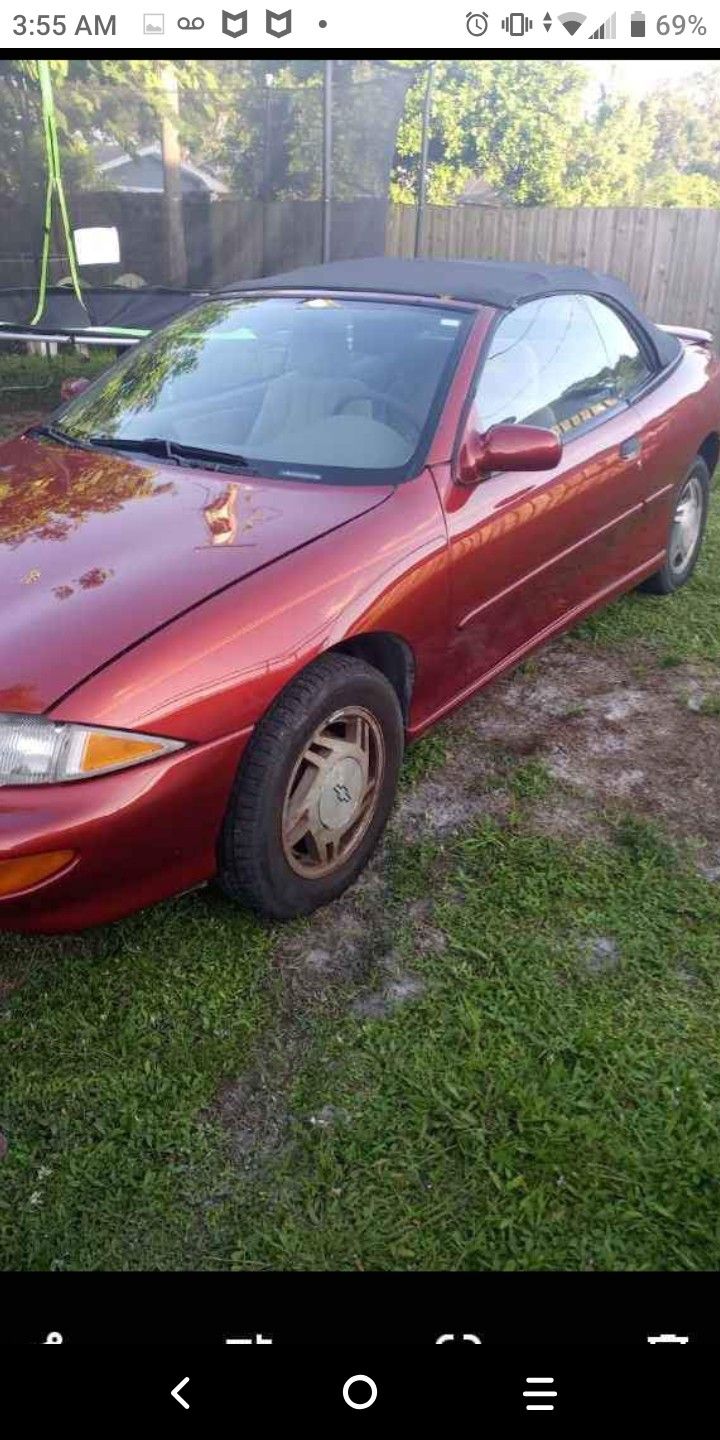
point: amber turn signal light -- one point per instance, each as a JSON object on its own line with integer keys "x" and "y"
{"x": 28, "y": 870}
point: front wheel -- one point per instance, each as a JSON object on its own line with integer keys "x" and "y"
{"x": 314, "y": 790}
{"x": 687, "y": 528}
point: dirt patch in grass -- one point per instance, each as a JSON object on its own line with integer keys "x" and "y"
{"x": 566, "y": 746}
{"x": 612, "y": 729}
{"x": 342, "y": 956}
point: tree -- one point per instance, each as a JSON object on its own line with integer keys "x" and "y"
{"x": 687, "y": 123}
{"x": 525, "y": 127}
{"x": 610, "y": 153}
{"x": 681, "y": 187}
{"x": 99, "y": 100}
{"x": 685, "y": 165}
{"x": 509, "y": 121}
{"x": 172, "y": 188}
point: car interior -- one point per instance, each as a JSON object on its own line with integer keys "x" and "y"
{"x": 324, "y": 388}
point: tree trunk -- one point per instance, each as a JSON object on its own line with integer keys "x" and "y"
{"x": 171, "y": 158}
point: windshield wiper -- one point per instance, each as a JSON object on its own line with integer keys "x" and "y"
{"x": 207, "y": 459}
{"x": 61, "y": 437}
{"x": 173, "y": 450}
{"x": 150, "y": 445}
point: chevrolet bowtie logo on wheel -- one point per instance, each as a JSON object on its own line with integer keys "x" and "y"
{"x": 235, "y": 25}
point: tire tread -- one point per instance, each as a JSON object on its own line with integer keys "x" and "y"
{"x": 241, "y": 873}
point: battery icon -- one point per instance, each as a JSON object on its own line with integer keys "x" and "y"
{"x": 637, "y": 24}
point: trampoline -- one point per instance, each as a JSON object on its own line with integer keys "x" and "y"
{"x": 303, "y": 175}
{"x": 108, "y": 315}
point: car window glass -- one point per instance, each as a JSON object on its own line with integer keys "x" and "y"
{"x": 345, "y": 389}
{"x": 547, "y": 365}
{"x": 628, "y": 364}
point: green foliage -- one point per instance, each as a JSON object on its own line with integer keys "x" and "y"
{"x": 422, "y": 758}
{"x": 529, "y": 128}
{"x": 505, "y": 120}
{"x": 676, "y": 187}
{"x": 525, "y": 127}
{"x": 686, "y": 118}
{"x": 29, "y": 382}
{"x": 531, "y": 780}
{"x": 138, "y": 379}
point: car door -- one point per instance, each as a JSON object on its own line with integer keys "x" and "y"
{"x": 528, "y": 550}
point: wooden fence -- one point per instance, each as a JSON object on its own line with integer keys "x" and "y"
{"x": 670, "y": 258}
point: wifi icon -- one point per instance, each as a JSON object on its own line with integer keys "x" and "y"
{"x": 572, "y": 21}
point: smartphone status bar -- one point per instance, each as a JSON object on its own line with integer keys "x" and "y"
{"x": 328, "y": 25}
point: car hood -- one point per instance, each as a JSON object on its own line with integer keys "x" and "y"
{"x": 98, "y": 550}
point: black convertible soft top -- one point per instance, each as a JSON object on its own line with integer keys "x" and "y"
{"x": 502, "y": 284}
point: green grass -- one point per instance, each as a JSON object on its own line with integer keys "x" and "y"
{"x": 531, "y": 780}
{"x": 710, "y": 705}
{"x": 112, "y": 1048}
{"x": 526, "y": 1113}
{"x": 422, "y": 758}
{"x": 528, "y": 1110}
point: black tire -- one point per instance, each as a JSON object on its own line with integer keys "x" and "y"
{"x": 252, "y": 864}
{"x": 670, "y": 579}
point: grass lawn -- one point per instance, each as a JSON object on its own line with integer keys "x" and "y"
{"x": 499, "y": 1051}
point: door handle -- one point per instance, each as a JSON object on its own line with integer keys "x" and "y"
{"x": 630, "y": 449}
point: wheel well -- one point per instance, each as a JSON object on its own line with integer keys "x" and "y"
{"x": 710, "y": 451}
{"x": 391, "y": 656}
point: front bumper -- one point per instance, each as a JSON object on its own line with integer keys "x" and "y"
{"x": 138, "y": 836}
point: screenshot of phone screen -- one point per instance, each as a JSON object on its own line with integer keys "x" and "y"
{"x": 360, "y": 707}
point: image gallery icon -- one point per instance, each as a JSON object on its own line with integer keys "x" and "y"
{"x": 235, "y": 25}
{"x": 154, "y": 24}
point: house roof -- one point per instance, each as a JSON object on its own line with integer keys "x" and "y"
{"x": 478, "y": 192}
{"x": 112, "y": 157}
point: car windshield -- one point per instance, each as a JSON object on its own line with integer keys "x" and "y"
{"x": 319, "y": 388}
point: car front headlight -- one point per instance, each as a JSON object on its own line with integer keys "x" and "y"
{"x": 36, "y": 751}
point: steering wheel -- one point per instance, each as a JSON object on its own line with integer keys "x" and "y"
{"x": 408, "y": 425}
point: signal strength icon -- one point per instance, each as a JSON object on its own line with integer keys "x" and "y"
{"x": 608, "y": 30}
{"x": 572, "y": 21}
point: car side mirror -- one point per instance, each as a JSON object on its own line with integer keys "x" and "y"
{"x": 507, "y": 447}
{"x": 70, "y": 389}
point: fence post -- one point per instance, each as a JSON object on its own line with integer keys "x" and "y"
{"x": 327, "y": 158}
{"x": 422, "y": 186}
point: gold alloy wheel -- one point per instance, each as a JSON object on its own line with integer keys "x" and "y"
{"x": 333, "y": 793}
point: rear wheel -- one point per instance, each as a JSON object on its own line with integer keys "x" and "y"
{"x": 314, "y": 789}
{"x": 687, "y": 528}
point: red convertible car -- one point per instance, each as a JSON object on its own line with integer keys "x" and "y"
{"x": 292, "y": 531}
